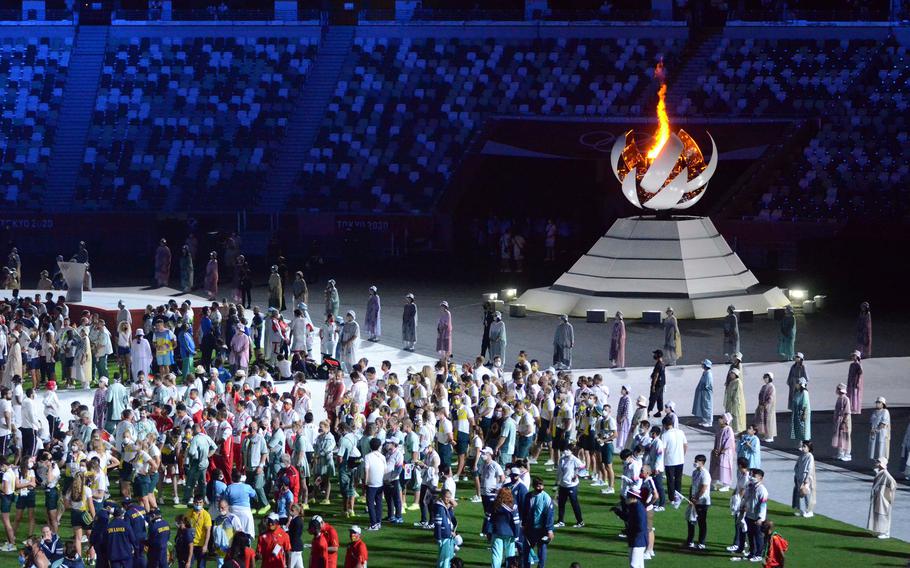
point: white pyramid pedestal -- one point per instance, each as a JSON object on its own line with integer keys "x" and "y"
{"x": 645, "y": 263}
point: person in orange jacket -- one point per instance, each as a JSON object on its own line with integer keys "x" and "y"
{"x": 274, "y": 544}
{"x": 776, "y": 546}
{"x": 356, "y": 555}
{"x": 324, "y": 551}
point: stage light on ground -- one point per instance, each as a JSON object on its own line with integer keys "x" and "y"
{"x": 798, "y": 295}
{"x": 508, "y": 294}
{"x": 490, "y": 297}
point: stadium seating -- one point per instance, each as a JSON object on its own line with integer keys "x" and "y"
{"x": 855, "y": 165}
{"x": 405, "y": 110}
{"x": 760, "y": 77}
{"x": 32, "y": 77}
{"x": 190, "y": 121}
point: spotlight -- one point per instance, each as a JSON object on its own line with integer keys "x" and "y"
{"x": 508, "y": 294}
{"x": 490, "y": 297}
{"x": 798, "y": 295}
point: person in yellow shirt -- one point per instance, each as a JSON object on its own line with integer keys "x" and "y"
{"x": 201, "y": 522}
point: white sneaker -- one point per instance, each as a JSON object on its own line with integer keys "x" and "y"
{"x": 607, "y": 491}
{"x": 884, "y": 536}
{"x": 769, "y": 440}
{"x": 724, "y": 489}
{"x": 732, "y": 548}
{"x": 648, "y": 556}
{"x": 476, "y": 499}
{"x": 532, "y": 461}
{"x": 809, "y": 515}
{"x": 549, "y": 462}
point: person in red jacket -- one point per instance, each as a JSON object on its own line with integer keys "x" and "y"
{"x": 324, "y": 552}
{"x": 274, "y": 544}
{"x": 290, "y": 473}
{"x": 776, "y": 546}
{"x": 356, "y": 555}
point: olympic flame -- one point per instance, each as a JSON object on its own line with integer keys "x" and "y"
{"x": 671, "y": 173}
{"x": 663, "y": 130}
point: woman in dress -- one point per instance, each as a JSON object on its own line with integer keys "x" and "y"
{"x": 444, "y": 331}
{"x": 332, "y": 299}
{"x": 766, "y": 411}
{"x": 880, "y": 430}
{"x": 703, "y": 403}
{"x": 855, "y": 383}
{"x": 672, "y": 339}
{"x": 211, "y": 276}
{"x": 373, "y": 321}
{"x": 735, "y": 400}
{"x": 82, "y": 365}
{"x": 186, "y": 269}
{"x": 623, "y": 417}
{"x": 801, "y": 416}
{"x": 723, "y": 455}
{"x": 804, "y": 482}
{"x": 786, "y": 341}
{"x": 864, "y": 331}
{"x": 618, "y": 342}
{"x": 409, "y": 323}
{"x": 843, "y": 424}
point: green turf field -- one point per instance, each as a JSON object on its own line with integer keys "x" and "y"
{"x": 813, "y": 541}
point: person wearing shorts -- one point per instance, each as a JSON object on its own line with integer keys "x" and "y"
{"x": 7, "y": 498}
{"x": 25, "y": 502}
{"x": 51, "y": 492}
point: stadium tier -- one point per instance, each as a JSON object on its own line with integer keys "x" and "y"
{"x": 406, "y": 109}
{"x": 181, "y": 121}
{"x": 196, "y": 119}
{"x": 32, "y": 76}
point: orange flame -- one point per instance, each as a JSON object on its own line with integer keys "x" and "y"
{"x": 663, "y": 131}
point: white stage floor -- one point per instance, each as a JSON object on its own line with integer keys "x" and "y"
{"x": 135, "y": 297}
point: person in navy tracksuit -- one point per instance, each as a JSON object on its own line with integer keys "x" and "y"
{"x": 98, "y": 538}
{"x": 135, "y": 518}
{"x": 519, "y": 492}
{"x": 159, "y": 534}
{"x": 444, "y": 525}
{"x": 537, "y": 524}
{"x": 120, "y": 543}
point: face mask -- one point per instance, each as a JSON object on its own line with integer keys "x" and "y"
{"x": 197, "y": 507}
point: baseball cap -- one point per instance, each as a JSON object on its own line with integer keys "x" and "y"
{"x": 355, "y": 529}
{"x": 273, "y": 517}
{"x": 514, "y": 471}
{"x": 487, "y": 450}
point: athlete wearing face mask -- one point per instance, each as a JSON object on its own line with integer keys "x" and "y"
{"x": 201, "y": 522}
{"x": 274, "y": 544}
